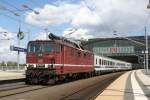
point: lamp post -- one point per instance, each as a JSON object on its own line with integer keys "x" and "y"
{"x": 146, "y": 51}
{"x": 146, "y": 39}
{"x": 46, "y": 31}
{"x": 143, "y": 52}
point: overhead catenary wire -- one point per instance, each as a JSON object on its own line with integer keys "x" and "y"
{"x": 11, "y": 5}
{"x": 14, "y": 12}
{"x": 14, "y": 19}
{"x": 33, "y": 2}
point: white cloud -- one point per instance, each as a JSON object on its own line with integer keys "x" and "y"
{"x": 51, "y": 14}
{"x": 5, "y": 53}
{"x": 97, "y": 17}
{"x": 86, "y": 17}
{"x": 77, "y": 34}
{"x": 41, "y": 36}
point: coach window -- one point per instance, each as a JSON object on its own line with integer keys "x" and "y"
{"x": 110, "y": 63}
{"x": 102, "y": 62}
{"x": 96, "y": 60}
{"x": 99, "y": 61}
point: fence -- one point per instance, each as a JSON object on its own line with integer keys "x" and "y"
{"x": 12, "y": 68}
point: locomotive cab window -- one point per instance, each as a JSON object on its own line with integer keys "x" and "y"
{"x": 43, "y": 47}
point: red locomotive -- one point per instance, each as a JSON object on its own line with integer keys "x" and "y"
{"x": 56, "y": 59}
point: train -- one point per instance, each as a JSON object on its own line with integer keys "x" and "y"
{"x": 58, "y": 58}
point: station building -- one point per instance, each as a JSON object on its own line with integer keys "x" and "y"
{"x": 120, "y": 48}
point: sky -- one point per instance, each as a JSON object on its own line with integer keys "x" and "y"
{"x": 88, "y": 19}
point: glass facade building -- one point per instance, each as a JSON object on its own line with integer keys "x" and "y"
{"x": 119, "y": 48}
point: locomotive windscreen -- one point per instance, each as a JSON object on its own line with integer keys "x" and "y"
{"x": 36, "y": 47}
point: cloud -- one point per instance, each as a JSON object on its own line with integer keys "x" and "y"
{"x": 77, "y": 34}
{"x": 6, "y": 39}
{"x": 99, "y": 18}
{"x": 51, "y": 14}
{"x": 41, "y": 36}
{"x": 86, "y": 17}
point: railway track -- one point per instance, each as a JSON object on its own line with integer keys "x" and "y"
{"x": 76, "y": 90}
{"x": 92, "y": 91}
{"x": 18, "y": 89}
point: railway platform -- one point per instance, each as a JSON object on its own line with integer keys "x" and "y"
{"x": 133, "y": 85}
{"x": 10, "y": 75}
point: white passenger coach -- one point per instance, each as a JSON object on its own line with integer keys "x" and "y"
{"x": 108, "y": 64}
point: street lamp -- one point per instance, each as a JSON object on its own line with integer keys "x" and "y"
{"x": 27, "y": 7}
{"x": 148, "y": 6}
{"x": 35, "y": 12}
